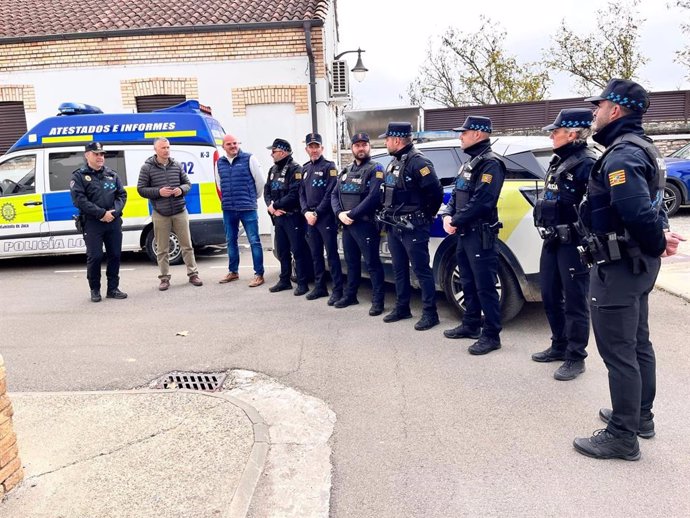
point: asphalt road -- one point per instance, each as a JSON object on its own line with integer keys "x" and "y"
{"x": 423, "y": 428}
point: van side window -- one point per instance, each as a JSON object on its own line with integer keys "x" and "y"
{"x": 18, "y": 176}
{"x": 62, "y": 165}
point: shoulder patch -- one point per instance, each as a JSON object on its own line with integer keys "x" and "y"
{"x": 617, "y": 178}
{"x": 87, "y": 178}
{"x": 424, "y": 171}
{"x": 486, "y": 178}
{"x": 71, "y": 184}
{"x": 298, "y": 176}
{"x": 379, "y": 175}
{"x": 334, "y": 172}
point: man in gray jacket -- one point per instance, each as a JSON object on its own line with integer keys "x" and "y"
{"x": 163, "y": 181}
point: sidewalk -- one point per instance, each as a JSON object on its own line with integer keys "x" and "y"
{"x": 674, "y": 276}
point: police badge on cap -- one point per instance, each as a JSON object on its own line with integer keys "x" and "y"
{"x": 571, "y": 118}
{"x": 360, "y": 137}
{"x": 96, "y": 147}
{"x": 312, "y": 138}
{"x": 624, "y": 92}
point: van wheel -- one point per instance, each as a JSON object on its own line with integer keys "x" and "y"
{"x": 510, "y": 297}
{"x": 175, "y": 253}
{"x": 672, "y": 198}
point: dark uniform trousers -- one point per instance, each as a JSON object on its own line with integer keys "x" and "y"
{"x": 290, "y": 237}
{"x": 361, "y": 239}
{"x": 562, "y": 273}
{"x": 412, "y": 246}
{"x": 478, "y": 275}
{"x": 97, "y": 234}
{"x": 324, "y": 235}
{"x": 619, "y": 305}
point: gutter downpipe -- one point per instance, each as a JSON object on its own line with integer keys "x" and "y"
{"x": 312, "y": 76}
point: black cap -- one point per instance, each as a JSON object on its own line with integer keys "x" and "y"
{"x": 398, "y": 129}
{"x": 624, "y": 92}
{"x": 572, "y": 118}
{"x": 476, "y": 123}
{"x": 360, "y": 137}
{"x": 281, "y": 144}
{"x": 313, "y": 137}
{"x": 96, "y": 147}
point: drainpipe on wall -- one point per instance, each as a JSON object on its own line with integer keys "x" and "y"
{"x": 312, "y": 77}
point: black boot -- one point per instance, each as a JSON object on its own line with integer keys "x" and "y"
{"x": 462, "y": 332}
{"x": 646, "y": 428}
{"x": 281, "y": 286}
{"x": 484, "y": 345}
{"x": 570, "y": 370}
{"x": 95, "y": 295}
{"x": 397, "y": 314}
{"x": 317, "y": 293}
{"x": 300, "y": 290}
{"x": 549, "y": 355}
{"x": 345, "y": 302}
{"x": 335, "y": 297}
{"x": 376, "y": 309}
{"x": 427, "y": 321}
{"x": 604, "y": 445}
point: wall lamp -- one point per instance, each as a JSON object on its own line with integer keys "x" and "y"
{"x": 359, "y": 71}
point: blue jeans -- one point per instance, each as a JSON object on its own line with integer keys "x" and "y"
{"x": 250, "y": 222}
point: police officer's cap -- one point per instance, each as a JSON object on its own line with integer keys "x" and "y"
{"x": 360, "y": 137}
{"x": 281, "y": 144}
{"x": 476, "y": 123}
{"x": 96, "y": 147}
{"x": 572, "y": 118}
{"x": 398, "y": 129}
{"x": 624, "y": 92}
{"x": 313, "y": 137}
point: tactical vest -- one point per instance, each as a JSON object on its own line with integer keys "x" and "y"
{"x": 396, "y": 193}
{"x": 466, "y": 181}
{"x": 603, "y": 218}
{"x": 546, "y": 210}
{"x": 352, "y": 185}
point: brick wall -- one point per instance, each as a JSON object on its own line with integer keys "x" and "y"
{"x": 20, "y": 93}
{"x": 270, "y": 94}
{"x": 164, "y": 48}
{"x": 11, "y": 472}
{"x": 133, "y": 88}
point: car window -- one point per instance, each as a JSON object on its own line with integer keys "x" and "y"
{"x": 62, "y": 165}
{"x": 446, "y": 163}
{"x": 18, "y": 175}
{"x": 683, "y": 153}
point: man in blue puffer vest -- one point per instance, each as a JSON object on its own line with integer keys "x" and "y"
{"x": 240, "y": 182}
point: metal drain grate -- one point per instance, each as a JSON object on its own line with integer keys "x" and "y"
{"x": 205, "y": 381}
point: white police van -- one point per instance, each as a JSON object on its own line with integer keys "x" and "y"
{"x": 35, "y": 204}
{"x": 519, "y": 244}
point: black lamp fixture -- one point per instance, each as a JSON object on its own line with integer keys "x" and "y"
{"x": 359, "y": 71}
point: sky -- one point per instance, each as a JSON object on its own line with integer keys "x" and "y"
{"x": 395, "y": 39}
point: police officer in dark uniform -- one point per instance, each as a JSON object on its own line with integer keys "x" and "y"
{"x": 355, "y": 200}
{"x": 472, "y": 214}
{"x": 281, "y": 194}
{"x": 564, "y": 279}
{"x": 412, "y": 197}
{"x": 319, "y": 177}
{"x": 100, "y": 197}
{"x": 624, "y": 241}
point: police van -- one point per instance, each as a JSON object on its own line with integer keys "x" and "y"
{"x": 519, "y": 244}
{"x": 36, "y": 211}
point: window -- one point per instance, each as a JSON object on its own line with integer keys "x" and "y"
{"x": 18, "y": 175}
{"x": 13, "y": 124}
{"x": 62, "y": 165}
{"x": 446, "y": 163}
{"x": 149, "y": 103}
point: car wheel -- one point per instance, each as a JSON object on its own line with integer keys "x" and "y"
{"x": 510, "y": 297}
{"x": 175, "y": 253}
{"x": 672, "y": 198}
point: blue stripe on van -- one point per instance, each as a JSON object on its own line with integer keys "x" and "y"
{"x": 57, "y": 206}
{"x": 193, "y": 200}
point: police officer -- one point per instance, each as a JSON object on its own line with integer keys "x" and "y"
{"x": 281, "y": 194}
{"x": 625, "y": 240}
{"x": 319, "y": 177}
{"x": 471, "y": 213}
{"x": 355, "y": 201}
{"x": 412, "y": 197}
{"x": 564, "y": 279}
{"x": 100, "y": 197}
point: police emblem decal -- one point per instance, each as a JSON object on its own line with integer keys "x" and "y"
{"x": 617, "y": 178}
{"x": 424, "y": 171}
{"x": 8, "y": 212}
{"x": 87, "y": 178}
{"x": 486, "y": 178}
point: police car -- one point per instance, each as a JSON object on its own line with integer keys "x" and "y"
{"x": 519, "y": 244}
{"x": 35, "y": 204}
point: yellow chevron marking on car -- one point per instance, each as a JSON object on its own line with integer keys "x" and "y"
{"x": 10, "y": 213}
{"x": 512, "y": 207}
{"x": 136, "y": 206}
{"x": 210, "y": 203}
{"x": 68, "y": 138}
{"x": 170, "y": 134}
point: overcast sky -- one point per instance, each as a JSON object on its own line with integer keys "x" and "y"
{"x": 395, "y": 39}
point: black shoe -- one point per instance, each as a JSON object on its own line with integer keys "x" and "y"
{"x": 484, "y": 345}
{"x": 646, "y": 430}
{"x": 116, "y": 294}
{"x": 281, "y": 286}
{"x": 335, "y": 297}
{"x": 604, "y": 445}
{"x": 95, "y": 295}
{"x": 397, "y": 314}
{"x": 570, "y": 370}
{"x": 301, "y": 290}
{"x": 549, "y": 355}
{"x": 345, "y": 302}
{"x": 427, "y": 322}
{"x": 316, "y": 293}
{"x": 375, "y": 310}
{"x": 462, "y": 332}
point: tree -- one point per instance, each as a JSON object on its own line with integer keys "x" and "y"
{"x": 475, "y": 69}
{"x": 683, "y": 56}
{"x": 610, "y": 51}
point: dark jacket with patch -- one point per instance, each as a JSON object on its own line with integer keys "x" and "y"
{"x": 153, "y": 176}
{"x": 96, "y": 192}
